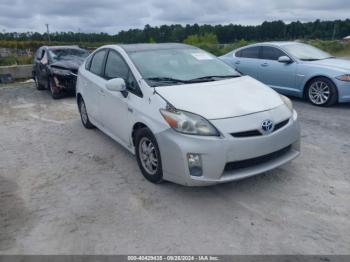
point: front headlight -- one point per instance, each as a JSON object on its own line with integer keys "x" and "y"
{"x": 188, "y": 123}
{"x": 287, "y": 102}
{"x": 59, "y": 71}
{"x": 344, "y": 78}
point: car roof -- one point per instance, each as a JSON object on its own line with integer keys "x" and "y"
{"x": 276, "y": 43}
{"x": 283, "y": 43}
{"x": 55, "y": 47}
{"x": 147, "y": 47}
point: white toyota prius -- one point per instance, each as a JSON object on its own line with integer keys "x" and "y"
{"x": 187, "y": 116}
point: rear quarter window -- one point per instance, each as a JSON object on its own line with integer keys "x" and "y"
{"x": 88, "y": 62}
{"x": 39, "y": 53}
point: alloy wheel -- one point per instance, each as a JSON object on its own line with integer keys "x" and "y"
{"x": 51, "y": 88}
{"x": 148, "y": 156}
{"x": 319, "y": 93}
{"x": 83, "y": 113}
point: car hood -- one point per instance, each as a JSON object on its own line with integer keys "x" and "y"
{"x": 222, "y": 99}
{"x": 68, "y": 64}
{"x": 333, "y": 63}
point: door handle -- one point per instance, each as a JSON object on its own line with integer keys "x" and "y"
{"x": 130, "y": 110}
{"x": 102, "y": 91}
{"x": 237, "y": 62}
{"x": 264, "y": 64}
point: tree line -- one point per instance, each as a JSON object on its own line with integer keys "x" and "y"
{"x": 275, "y": 30}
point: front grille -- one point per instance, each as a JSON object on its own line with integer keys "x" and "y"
{"x": 280, "y": 125}
{"x": 68, "y": 82}
{"x": 247, "y": 133}
{"x": 231, "y": 166}
{"x": 255, "y": 132}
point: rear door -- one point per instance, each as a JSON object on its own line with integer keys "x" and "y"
{"x": 279, "y": 76}
{"x": 247, "y": 60}
{"x": 94, "y": 84}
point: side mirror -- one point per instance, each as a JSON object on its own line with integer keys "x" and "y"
{"x": 116, "y": 85}
{"x": 284, "y": 59}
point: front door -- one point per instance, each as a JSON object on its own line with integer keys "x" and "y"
{"x": 279, "y": 76}
{"x": 116, "y": 105}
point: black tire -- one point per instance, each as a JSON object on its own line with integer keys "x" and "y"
{"x": 144, "y": 134}
{"x": 37, "y": 84}
{"x": 56, "y": 94}
{"x": 316, "y": 98}
{"x": 84, "y": 118}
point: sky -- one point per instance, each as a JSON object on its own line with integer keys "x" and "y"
{"x": 112, "y": 16}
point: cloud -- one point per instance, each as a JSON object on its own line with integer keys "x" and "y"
{"x": 114, "y": 15}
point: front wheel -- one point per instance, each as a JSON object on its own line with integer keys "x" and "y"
{"x": 322, "y": 92}
{"x": 148, "y": 155}
{"x": 55, "y": 93}
{"x": 37, "y": 83}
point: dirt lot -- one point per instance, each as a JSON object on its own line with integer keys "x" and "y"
{"x": 68, "y": 190}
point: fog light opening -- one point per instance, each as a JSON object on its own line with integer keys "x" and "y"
{"x": 195, "y": 164}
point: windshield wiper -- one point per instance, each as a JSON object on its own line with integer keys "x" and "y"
{"x": 195, "y": 80}
{"x": 310, "y": 59}
{"x": 330, "y": 57}
{"x": 317, "y": 59}
{"x": 211, "y": 78}
{"x": 166, "y": 79}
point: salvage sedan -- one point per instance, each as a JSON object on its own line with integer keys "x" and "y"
{"x": 189, "y": 118}
{"x": 295, "y": 69}
{"x": 56, "y": 68}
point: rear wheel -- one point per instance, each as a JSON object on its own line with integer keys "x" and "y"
{"x": 84, "y": 115}
{"x": 148, "y": 155}
{"x": 322, "y": 92}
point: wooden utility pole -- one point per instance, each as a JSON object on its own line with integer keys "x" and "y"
{"x": 48, "y": 33}
{"x": 334, "y": 30}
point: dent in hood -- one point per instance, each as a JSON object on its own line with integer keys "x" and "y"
{"x": 68, "y": 64}
{"x": 222, "y": 99}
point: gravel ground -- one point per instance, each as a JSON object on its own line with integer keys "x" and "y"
{"x": 68, "y": 190}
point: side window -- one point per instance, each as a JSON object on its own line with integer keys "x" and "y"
{"x": 271, "y": 53}
{"x": 117, "y": 67}
{"x": 97, "y": 62}
{"x": 250, "y": 52}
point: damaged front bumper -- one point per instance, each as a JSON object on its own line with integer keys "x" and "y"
{"x": 64, "y": 80}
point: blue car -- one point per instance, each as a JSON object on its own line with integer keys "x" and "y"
{"x": 295, "y": 69}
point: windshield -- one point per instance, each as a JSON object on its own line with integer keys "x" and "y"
{"x": 306, "y": 52}
{"x": 67, "y": 54}
{"x": 180, "y": 66}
